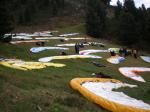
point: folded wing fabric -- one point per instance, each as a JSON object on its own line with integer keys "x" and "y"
{"x": 47, "y": 59}
{"x": 68, "y": 45}
{"x": 55, "y": 38}
{"x": 27, "y": 41}
{"x": 131, "y": 72}
{"x": 22, "y": 37}
{"x": 39, "y": 49}
{"x": 22, "y": 65}
{"x": 49, "y": 38}
{"x": 115, "y": 59}
{"x": 87, "y": 52}
{"x": 100, "y": 91}
{"x": 69, "y": 34}
{"x": 146, "y": 58}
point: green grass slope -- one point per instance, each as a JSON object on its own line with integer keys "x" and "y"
{"x": 48, "y": 90}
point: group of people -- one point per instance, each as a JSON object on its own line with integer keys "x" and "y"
{"x": 126, "y": 52}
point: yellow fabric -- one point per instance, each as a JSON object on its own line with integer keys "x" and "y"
{"x": 109, "y": 105}
{"x": 11, "y": 66}
{"x": 70, "y": 57}
{"x": 114, "y": 49}
{"x": 67, "y": 57}
{"x": 47, "y": 59}
{"x": 21, "y": 65}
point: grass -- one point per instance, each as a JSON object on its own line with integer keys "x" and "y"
{"x": 48, "y": 89}
{"x": 76, "y": 28}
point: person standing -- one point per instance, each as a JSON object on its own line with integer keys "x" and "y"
{"x": 135, "y": 53}
{"x": 120, "y": 51}
{"x": 76, "y": 48}
{"x": 124, "y": 51}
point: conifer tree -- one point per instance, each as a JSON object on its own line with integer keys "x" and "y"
{"x": 147, "y": 27}
{"x": 95, "y": 18}
{"x": 118, "y": 9}
{"x": 129, "y": 6}
{"x": 6, "y": 20}
{"x": 127, "y": 34}
{"x": 127, "y": 24}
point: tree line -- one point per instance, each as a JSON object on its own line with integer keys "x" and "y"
{"x": 24, "y": 11}
{"x": 129, "y": 25}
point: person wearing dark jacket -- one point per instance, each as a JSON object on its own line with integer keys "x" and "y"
{"x": 77, "y": 48}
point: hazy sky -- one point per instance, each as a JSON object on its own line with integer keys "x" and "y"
{"x": 138, "y": 3}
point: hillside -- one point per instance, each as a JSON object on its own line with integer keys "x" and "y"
{"x": 48, "y": 89}
{"x": 35, "y": 12}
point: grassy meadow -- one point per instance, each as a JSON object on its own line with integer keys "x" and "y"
{"x": 48, "y": 90}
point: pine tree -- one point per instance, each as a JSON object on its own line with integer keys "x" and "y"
{"x": 141, "y": 22}
{"x": 129, "y": 6}
{"x": 127, "y": 23}
{"x": 27, "y": 15}
{"x": 147, "y": 27}
{"x": 21, "y": 19}
{"x": 127, "y": 34}
{"x": 118, "y": 9}
{"x": 6, "y": 20}
{"x": 95, "y": 18}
